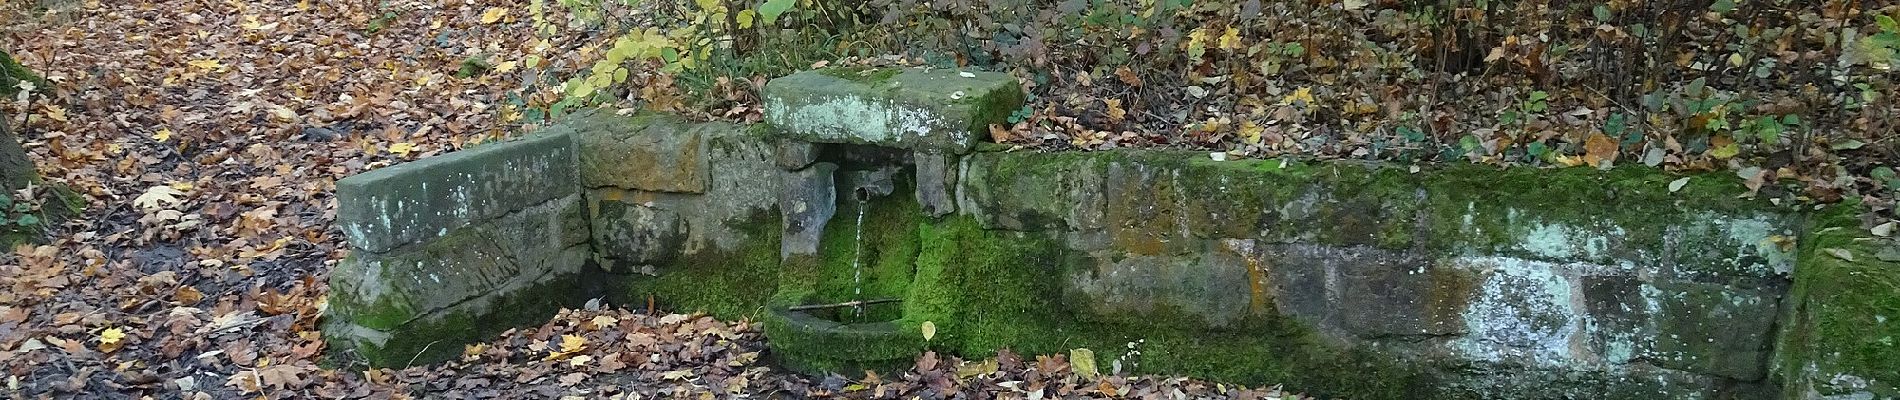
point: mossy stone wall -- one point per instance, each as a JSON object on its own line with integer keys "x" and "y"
{"x": 1336, "y": 278}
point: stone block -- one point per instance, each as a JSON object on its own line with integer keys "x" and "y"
{"x": 1027, "y": 192}
{"x": 630, "y": 233}
{"x": 421, "y": 303}
{"x": 1840, "y": 334}
{"x": 1218, "y": 286}
{"x": 796, "y": 154}
{"x": 939, "y": 110}
{"x": 1366, "y": 293}
{"x": 1714, "y": 329}
{"x": 807, "y": 199}
{"x": 652, "y": 152}
{"x": 428, "y": 198}
{"x": 936, "y": 183}
{"x": 1145, "y": 209}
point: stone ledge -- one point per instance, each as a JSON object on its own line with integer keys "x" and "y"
{"x": 425, "y": 199}
{"x": 939, "y": 110}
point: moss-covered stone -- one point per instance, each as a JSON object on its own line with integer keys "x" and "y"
{"x": 732, "y": 284}
{"x": 420, "y": 200}
{"x": 1841, "y": 335}
{"x": 933, "y": 110}
{"x": 654, "y": 152}
{"x": 1001, "y": 284}
{"x": 420, "y": 303}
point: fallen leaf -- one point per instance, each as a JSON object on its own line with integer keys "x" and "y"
{"x": 1599, "y": 150}
{"x": 930, "y": 330}
{"x": 1128, "y": 76}
{"x": 1678, "y": 184}
{"x": 1840, "y": 253}
{"x": 494, "y": 14}
{"x": 157, "y": 197}
{"x": 1303, "y": 96}
{"x": 402, "y": 149}
{"x": 1115, "y": 111}
{"x": 1082, "y": 361}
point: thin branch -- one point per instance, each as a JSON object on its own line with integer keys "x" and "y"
{"x": 842, "y": 305}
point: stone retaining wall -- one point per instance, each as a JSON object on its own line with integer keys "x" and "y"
{"x": 452, "y": 249}
{"x": 1337, "y": 278}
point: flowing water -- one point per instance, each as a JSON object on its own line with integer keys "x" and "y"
{"x": 857, "y": 258}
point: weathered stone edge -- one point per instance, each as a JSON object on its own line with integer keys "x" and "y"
{"x": 362, "y": 199}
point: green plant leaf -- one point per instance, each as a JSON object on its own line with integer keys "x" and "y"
{"x": 1537, "y": 150}
{"x": 1722, "y": 6}
{"x": 28, "y": 220}
{"x": 773, "y": 8}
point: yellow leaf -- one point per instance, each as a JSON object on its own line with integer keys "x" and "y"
{"x": 474, "y": 349}
{"x": 1599, "y": 148}
{"x": 402, "y": 149}
{"x": 604, "y": 321}
{"x": 1231, "y": 39}
{"x": 162, "y": 135}
{"x": 494, "y": 14}
{"x": 206, "y": 64}
{"x": 505, "y": 67}
{"x": 57, "y": 113}
{"x": 572, "y": 343}
{"x": 930, "y": 330}
{"x": 745, "y": 18}
{"x": 1251, "y": 132}
{"x": 111, "y": 335}
{"x": 1303, "y": 94}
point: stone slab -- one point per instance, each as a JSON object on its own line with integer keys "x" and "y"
{"x": 428, "y": 198}
{"x": 653, "y": 152}
{"x": 942, "y": 110}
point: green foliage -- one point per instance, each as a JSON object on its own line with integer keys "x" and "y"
{"x": 22, "y": 214}
{"x": 473, "y": 67}
{"x": 771, "y": 9}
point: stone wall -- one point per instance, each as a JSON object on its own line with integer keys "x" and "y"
{"x": 451, "y": 249}
{"x": 1337, "y": 278}
{"x": 1538, "y": 282}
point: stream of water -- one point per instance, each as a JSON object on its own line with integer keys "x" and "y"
{"x": 857, "y": 258}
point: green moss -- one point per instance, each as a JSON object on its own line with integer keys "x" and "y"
{"x": 994, "y": 108}
{"x": 439, "y": 338}
{"x": 867, "y": 75}
{"x": 1845, "y": 320}
{"x": 1007, "y": 290}
{"x": 729, "y": 284}
{"x": 12, "y": 73}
